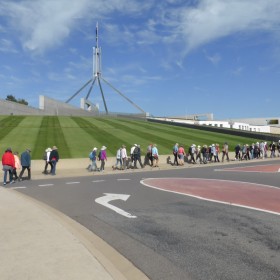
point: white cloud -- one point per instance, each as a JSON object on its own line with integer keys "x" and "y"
{"x": 45, "y": 24}
{"x": 214, "y": 19}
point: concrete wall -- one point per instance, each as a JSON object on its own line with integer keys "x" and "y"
{"x": 52, "y": 107}
{"x": 13, "y": 108}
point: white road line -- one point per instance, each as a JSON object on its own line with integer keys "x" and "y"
{"x": 72, "y": 183}
{"x": 123, "y": 179}
{"x": 97, "y": 181}
{"x": 14, "y": 188}
{"x": 45, "y": 185}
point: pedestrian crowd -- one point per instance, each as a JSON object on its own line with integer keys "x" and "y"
{"x": 211, "y": 153}
{"x": 12, "y": 163}
{"x": 195, "y": 154}
{"x": 257, "y": 150}
{"x": 124, "y": 159}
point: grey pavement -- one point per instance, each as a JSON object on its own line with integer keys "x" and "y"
{"x": 38, "y": 242}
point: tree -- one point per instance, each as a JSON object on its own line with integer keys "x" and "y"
{"x": 22, "y": 101}
{"x": 13, "y": 99}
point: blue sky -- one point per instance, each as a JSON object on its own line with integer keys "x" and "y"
{"x": 170, "y": 57}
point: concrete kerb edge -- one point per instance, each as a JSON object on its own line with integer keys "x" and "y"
{"x": 113, "y": 262}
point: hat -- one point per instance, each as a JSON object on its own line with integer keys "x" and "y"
{"x": 123, "y": 146}
{"x": 48, "y": 150}
{"x": 135, "y": 145}
{"x": 29, "y": 150}
{"x": 54, "y": 148}
{"x": 94, "y": 149}
{"x": 103, "y": 148}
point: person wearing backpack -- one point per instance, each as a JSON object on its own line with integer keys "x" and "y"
{"x": 137, "y": 157}
{"x": 92, "y": 157}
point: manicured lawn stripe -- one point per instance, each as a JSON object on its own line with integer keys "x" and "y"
{"x": 164, "y": 140}
{"x": 76, "y": 136}
{"x": 80, "y": 141}
{"x": 193, "y": 136}
{"x": 7, "y": 125}
{"x": 101, "y": 135}
{"x": 59, "y": 139}
{"x": 44, "y": 138}
{"x": 24, "y": 135}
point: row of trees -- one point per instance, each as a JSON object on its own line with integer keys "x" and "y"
{"x": 13, "y": 99}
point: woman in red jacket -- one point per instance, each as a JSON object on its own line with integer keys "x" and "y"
{"x": 8, "y": 162}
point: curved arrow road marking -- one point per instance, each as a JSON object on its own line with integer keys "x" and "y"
{"x": 104, "y": 200}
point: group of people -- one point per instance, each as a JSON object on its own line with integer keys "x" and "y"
{"x": 199, "y": 154}
{"x": 257, "y": 150}
{"x": 12, "y": 163}
{"x": 124, "y": 160}
{"x": 195, "y": 154}
{"x": 211, "y": 153}
{"x": 51, "y": 157}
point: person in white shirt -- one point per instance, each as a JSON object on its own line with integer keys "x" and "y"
{"x": 124, "y": 157}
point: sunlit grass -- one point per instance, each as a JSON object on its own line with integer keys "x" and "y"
{"x": 76, "y": 136}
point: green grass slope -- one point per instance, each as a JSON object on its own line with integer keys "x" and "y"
{"x": 76, "y": 136}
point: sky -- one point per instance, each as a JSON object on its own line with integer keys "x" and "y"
{"x": 170, "y": 57}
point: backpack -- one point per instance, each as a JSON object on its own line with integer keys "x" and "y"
{"x": 136, "y": 151}
{"x": 90, "y": 156}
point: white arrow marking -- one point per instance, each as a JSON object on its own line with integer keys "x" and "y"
{"x": 104, "y": 200}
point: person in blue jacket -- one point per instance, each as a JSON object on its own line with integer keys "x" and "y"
{"x": 25, "y": 160}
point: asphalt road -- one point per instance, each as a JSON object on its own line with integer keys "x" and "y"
{"x": 173, "y": 236}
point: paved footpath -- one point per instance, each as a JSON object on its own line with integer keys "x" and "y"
{"x": 38, "y": 242}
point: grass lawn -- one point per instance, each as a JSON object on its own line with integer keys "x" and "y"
{"x": 76, "y": 136}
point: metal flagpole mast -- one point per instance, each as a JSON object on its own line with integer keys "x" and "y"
{"x": 97, "y": 73}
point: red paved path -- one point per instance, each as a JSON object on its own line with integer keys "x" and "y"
{"x": 244, "y": 194}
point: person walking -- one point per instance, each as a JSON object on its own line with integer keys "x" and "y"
{"x": 8, "y": 163}
{"x": 225, "y": 152}
{"x": 47, "y": 160}
{"x": 124, "y": 157}
{"x": 148, "y": 156}
{"x": 92, "y": 157}
{"x": 137, "y": 156}
{"x": 17, "y": 166}
{"x": 54, "y": 158}
{"x": 118, "y": 159}
{"x": 181, "y": 154}
{"x": 103, "y": 158}
{"x": 25, "y": 160}
{"x": 155, "y": 155}
{"x": 175, "y": 153}
{"x": 132, "y": 154}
